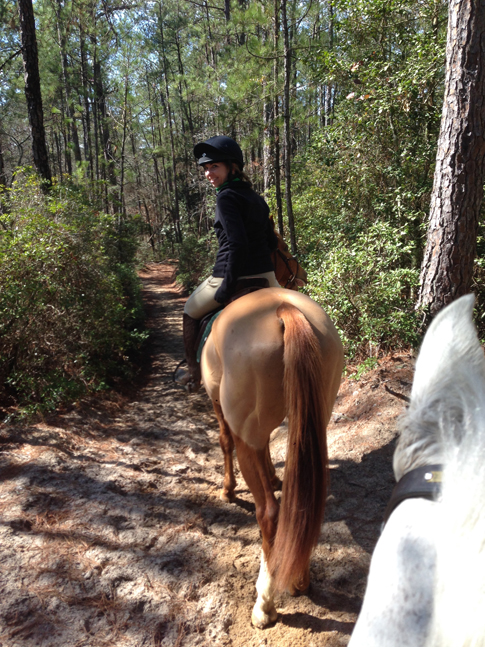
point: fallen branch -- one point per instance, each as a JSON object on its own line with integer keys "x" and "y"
{"x": 397, "y": 395}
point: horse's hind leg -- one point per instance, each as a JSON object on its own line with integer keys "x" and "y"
{"x": 254, "y": 468}
{"x": 276, "y": 482}
{"x": 227, "y": 445}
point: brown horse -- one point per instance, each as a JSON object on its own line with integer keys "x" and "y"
{"x": 274, "y": 354}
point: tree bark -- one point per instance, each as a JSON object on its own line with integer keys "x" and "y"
{"x": 268, "y": 144}
{"x": 32, "y": 90}
{"x": 289, "y": 204}
{"x": 103, "y": 121}
{"x": 88, "y": 153}
{"x": 67, "y": 86}
{"x": 276, "y": 114}
{"x": 3, "y": 176}
{"x": 447, "y": 267}
{"x": 176, "y": 210}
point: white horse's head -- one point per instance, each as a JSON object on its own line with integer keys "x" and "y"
{"x": 448, "y": 390}
{"x": 426, "y": 584}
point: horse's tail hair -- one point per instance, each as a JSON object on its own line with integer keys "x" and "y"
{"x": 305, "y": 479}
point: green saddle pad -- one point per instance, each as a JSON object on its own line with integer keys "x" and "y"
{"x": 206, "y": 333}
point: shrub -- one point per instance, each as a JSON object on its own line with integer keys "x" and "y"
{"x": 70, "y": 305}
{"x": 196, "y": 258}
{"x": 367, "y": 290}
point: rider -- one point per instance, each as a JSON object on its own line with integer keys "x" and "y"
{"x": 245, "y": 236}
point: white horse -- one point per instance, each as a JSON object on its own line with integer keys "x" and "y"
{"x": 426, "y": 585}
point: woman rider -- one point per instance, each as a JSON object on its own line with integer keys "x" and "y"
{"x": 245, "y": 236}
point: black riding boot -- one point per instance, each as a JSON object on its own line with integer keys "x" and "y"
{"x": 190, "y": 379}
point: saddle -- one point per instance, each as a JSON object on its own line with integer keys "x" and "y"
{"x": 243, "y": 287}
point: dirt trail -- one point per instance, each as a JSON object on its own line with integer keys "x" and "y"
{"x": 112, "y": 532}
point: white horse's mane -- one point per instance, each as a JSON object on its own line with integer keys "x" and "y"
{"x": 448, "y": 396}
{"x": 445, "y": 423}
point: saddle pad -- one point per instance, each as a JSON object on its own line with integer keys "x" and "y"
{"x": 206, "y": 333}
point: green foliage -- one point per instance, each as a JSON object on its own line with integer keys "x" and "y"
{"x": 366, "y": 290}
{"x": 70, "y": 306}
{"x": 362, "y": 186}
{"x": 367, "y": 365}
{"x": 366, "y": 89}
{"x": 196, "y": 258}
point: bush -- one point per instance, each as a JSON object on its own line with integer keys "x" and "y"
{"x": 70, "y": 305}
{"x": 196, "y": 258}
{"x": 366, "y": 290}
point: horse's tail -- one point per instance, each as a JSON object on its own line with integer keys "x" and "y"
{"x": 305, "y": 480}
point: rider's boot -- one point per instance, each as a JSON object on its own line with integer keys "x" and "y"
{"x": 190, "y": 379}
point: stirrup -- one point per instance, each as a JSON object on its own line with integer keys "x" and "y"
{"x": 175, "y": 377}
{"x": 185, "y": 379}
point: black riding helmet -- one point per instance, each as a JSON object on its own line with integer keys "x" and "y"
{"x": 219, "y": 149}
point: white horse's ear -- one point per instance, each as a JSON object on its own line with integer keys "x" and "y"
{"x": 450, "y": 351}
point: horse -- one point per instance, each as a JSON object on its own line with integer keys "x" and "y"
{"x": 272, "y": 354}
{"x": 426, "y": 583}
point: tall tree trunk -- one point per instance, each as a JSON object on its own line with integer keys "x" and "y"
{"x": 67, "y": 86}
{"x": 184, "y": 103}
{"x": 123, "y": 146}
{"x": 100, "y": 99}
{"x": 328, "y": 89}
{"x": 276, "y": 114}
{"x": 289, "y": 205}
{"x": 33, "y": 91}
{"x": 268, "y": 144}
{"x": 65, "y": 137}
{"x": 211, "y": 51}
{"x": 3, "y": 176}
{"x": 88, "y": 152}
{"x": 4, "y": 208}
{"x": 176, "y": 214}
{"x": 158, "y": 179}
{"x": 447, "y": 268}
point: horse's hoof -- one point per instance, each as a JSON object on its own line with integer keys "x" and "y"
{"x": 227, "y": 497}
{"x": 261, "y": 619}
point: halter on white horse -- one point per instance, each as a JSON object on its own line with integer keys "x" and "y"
{"x": 426, "y": 584}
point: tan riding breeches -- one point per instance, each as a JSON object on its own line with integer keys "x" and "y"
{"x": 202, "y": 301}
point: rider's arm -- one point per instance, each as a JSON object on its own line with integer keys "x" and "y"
{"x": 230, "y": 215}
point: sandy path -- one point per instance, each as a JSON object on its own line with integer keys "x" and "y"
{"x": 112, "y": 533}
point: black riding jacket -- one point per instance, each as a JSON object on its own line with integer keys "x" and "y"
{"x": 245, "y": 234}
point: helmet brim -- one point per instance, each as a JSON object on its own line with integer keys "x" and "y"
{"x": 205, "y": 154}
{"x": 206, "y": 159}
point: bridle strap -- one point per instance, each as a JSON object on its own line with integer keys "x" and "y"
{"x": 420, "y": 483}
{"x": 286, "y": 261}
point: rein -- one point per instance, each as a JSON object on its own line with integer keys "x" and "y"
{"x": 420, "y": 483}
{"x": 286, "y": 261}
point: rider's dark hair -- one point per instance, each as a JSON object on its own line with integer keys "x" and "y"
{"x": 235, "y": 172}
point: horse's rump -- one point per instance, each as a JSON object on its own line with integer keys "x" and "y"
{"x": 243, "y": 361}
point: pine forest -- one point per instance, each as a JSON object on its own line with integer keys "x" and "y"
{"x": 335, "y": 103}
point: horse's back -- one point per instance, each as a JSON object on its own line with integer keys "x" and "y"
{"x": 243, "y": 365}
